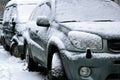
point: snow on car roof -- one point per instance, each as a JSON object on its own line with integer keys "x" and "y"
{"x": 22, "y": 2}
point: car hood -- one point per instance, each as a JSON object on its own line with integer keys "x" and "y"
{"x": 109, "y": 30}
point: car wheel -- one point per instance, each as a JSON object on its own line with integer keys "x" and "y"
{"x": 14, "y": 50}
{"x": 32, "y": 65}
{"x": 5, "y": 46}
{"x": 57, "y": 71}
{"x": 23, "y": 56}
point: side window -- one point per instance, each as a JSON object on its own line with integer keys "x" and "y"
{"x": 7, "y": 14}
{"x": 14, "y": 13}
{"x": 42, "y": 10}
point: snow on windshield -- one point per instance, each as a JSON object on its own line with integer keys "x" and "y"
{"x": 24, "y": 11}
{"x": 86, "y": 10}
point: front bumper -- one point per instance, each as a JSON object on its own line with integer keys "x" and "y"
{"x": 104, "y": 66}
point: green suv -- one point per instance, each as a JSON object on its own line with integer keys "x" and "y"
{"x": 75, "y": 39}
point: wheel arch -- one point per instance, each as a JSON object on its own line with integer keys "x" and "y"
{"x": 13, "y": 41}
{"x": 54, "y": 45}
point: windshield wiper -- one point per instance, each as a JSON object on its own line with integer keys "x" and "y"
{"x": 69, "y": 21}
{"x": 103, "y": 21}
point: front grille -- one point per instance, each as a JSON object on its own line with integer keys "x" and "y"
{"x": 113, "y": 77}
{"x": 114, "y": 45}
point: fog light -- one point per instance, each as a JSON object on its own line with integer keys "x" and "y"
{"x": 85, "y": 71}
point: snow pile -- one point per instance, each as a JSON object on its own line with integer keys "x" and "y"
{"x": 18, "y": 64}
{"x": 12, "y": 68}
{"x": 3, "y": 54}
{"x": 4, "y": 73}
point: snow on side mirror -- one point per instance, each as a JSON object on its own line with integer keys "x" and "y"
{"x": 43, "y": 21}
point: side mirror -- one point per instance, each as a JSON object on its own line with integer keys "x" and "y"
{"x": 43, "y": 21}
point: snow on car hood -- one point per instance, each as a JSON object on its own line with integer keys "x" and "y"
{"x": 104, "y": 29}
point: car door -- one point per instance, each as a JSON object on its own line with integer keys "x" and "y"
{"x": 8, "y": 27}
{"x": 39, "y": 34}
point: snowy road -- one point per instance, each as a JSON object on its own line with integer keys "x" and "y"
{"x": 12, "y": 68}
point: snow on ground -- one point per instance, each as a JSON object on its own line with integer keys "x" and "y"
{"x": 12, "y": 68}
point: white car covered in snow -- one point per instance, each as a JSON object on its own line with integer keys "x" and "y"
{"x": 16, "y": 14}
{"x": 75, "y": 39}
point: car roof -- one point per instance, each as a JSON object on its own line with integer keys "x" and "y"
{"x": 17, "y": 2}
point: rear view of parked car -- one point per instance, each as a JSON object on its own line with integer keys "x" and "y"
{"x": 15, "y": 16}
{"x": 75, "y": 39}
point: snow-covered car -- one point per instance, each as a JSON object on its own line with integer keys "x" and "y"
{"x": 16, "y": 14}
{"x": 75, "y": 39}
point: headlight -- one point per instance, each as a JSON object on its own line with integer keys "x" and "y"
{"x": 82, "y": 40}
{"x": 85, "y": 72}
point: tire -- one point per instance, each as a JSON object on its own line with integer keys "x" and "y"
{"x": 23, "y": 56}
{"x": 32, "y": 65}
{"x": 14, "y": 50}
{"x": 5, "y": 46}
{"x": 26, "y": 53}
{"x": 57, "y": 71}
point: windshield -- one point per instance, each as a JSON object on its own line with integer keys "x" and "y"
{"x": 24, "y": 11}
{"x": 87, "y": 10}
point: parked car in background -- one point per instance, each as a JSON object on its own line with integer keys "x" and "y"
{"x": 15, "y": 16}
{"x": 75, "y": 39}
